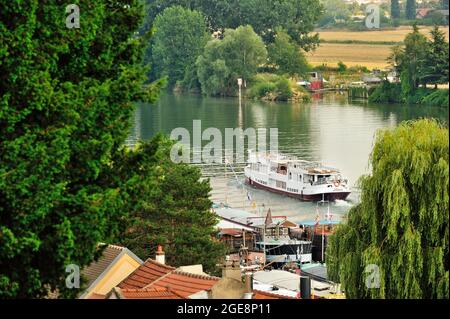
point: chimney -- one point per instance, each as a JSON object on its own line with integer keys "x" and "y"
{"x": 305, "y": 287}
{"x": 232, "y": 270}
{"x": 160, "y": 255}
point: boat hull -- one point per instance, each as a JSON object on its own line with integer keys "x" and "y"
{"x": 332, "y": 196}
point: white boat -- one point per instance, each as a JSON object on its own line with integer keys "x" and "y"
{"x": 308, "y": 181}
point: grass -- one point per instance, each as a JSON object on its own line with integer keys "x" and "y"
{"x": 367, "y": 48}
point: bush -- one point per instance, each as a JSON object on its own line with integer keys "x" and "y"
{"x": 386, "y": 93}
{"x": 271, "y": 87}
{"x": 437, "y": 98}
{"x": 392, "y": 93}
{"x": 262, "y": 89}
{"x": 283, "y": 89}
{"x": 342, "y": 68}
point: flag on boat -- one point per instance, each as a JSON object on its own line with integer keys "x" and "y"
{"x": 317, "y": 221}
{"x": 269, "y": 220}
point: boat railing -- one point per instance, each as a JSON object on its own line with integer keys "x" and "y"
{"x": 329, "y": 181}
{"x": 303, "y": 164}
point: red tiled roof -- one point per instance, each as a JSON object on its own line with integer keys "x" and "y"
{"x": 145, "y": 274}
{"x": 147, "y": 293}
{"x": 185, "y": 284}
{"x": 153, "y": 275}
{"x": 258, "y": 294}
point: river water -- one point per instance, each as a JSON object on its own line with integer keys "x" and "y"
{"x": 330, "y": 129}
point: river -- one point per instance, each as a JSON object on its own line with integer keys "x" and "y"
{"x": 330, "y": 129}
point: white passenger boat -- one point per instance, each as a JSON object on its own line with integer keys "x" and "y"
{"x": 308, "y": 181}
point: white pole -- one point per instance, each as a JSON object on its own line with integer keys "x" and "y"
{"x": 323, "y": 236}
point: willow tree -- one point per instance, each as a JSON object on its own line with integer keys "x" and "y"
{"x": 399, "y": 231}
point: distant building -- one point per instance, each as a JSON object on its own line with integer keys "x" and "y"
{"x": 372, "y": 79}
{"x": 421, "y": 13}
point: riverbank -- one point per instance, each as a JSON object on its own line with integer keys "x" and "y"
{"x": 272, "y": 87}
{"x": 392, "y": 93}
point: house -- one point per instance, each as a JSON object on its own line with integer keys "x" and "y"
{"x": 154, "y": 280}
{"x": 422, "y": 13}
{"x": 114, "y": 265}
{"x": 145, "y": 293}
{"x": 372, "y": 79}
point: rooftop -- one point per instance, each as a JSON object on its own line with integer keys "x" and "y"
{"x": 153, "y": 275}
{"x": 108, "y": 256}
{"x": 147, "y": 293}
{"x": 148, "y": 272}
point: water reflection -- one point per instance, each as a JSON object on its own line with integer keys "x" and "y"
{"x": 329, "y": 129}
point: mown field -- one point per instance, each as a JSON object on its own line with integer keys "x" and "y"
{"x": 365, "y": 48}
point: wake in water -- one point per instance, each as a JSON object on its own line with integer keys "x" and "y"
{"x": 343, "y": 203}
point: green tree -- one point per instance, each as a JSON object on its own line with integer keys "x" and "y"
{"x": 238, "y": 55}
{"x": 395, "y": 9}
{"x": 334, "y": 10}
{"x": 401, "y": 224}
{"x": 180, "y": 37}
{"x": 286, "y": 56}
{"x": 298, "y": 18}
{"x": 65, "y": 106}
{"x": 415, "y": 53}
{"x": 342, "y": 68}
{"x": 434, "y": 68}
{"x": 168, "y": 205}
{"x": 410, "y": 9}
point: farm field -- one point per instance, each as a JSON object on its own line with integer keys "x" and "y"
{"x": 373, "y": 56}
{"x": 394, "y": 35}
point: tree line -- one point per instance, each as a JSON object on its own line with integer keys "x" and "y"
{"x": 67, "y": 180}
{"x": 195, "y": 57}
{"x": 419, "y": 62}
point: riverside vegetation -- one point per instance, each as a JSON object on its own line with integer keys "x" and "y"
{"x": 421, "y": 61}
{"x": 206, "y": 53}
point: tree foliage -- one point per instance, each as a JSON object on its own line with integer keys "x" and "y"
{"x": 167, "y": 205}
{"x": 434, "y": 68}
{"x": 395, "y": 9}
{"x": 286, "y": 56}
{"x": 237, "y": 55}
{"x": 180, "y": 37}
{"x": 297, "y": 17}
{"x": 65, "y": 103}
{"x": 410, "y": 10}
{"x": 401, "y": 224}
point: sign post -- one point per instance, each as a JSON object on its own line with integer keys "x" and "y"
{"x": 240, "y": 90}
